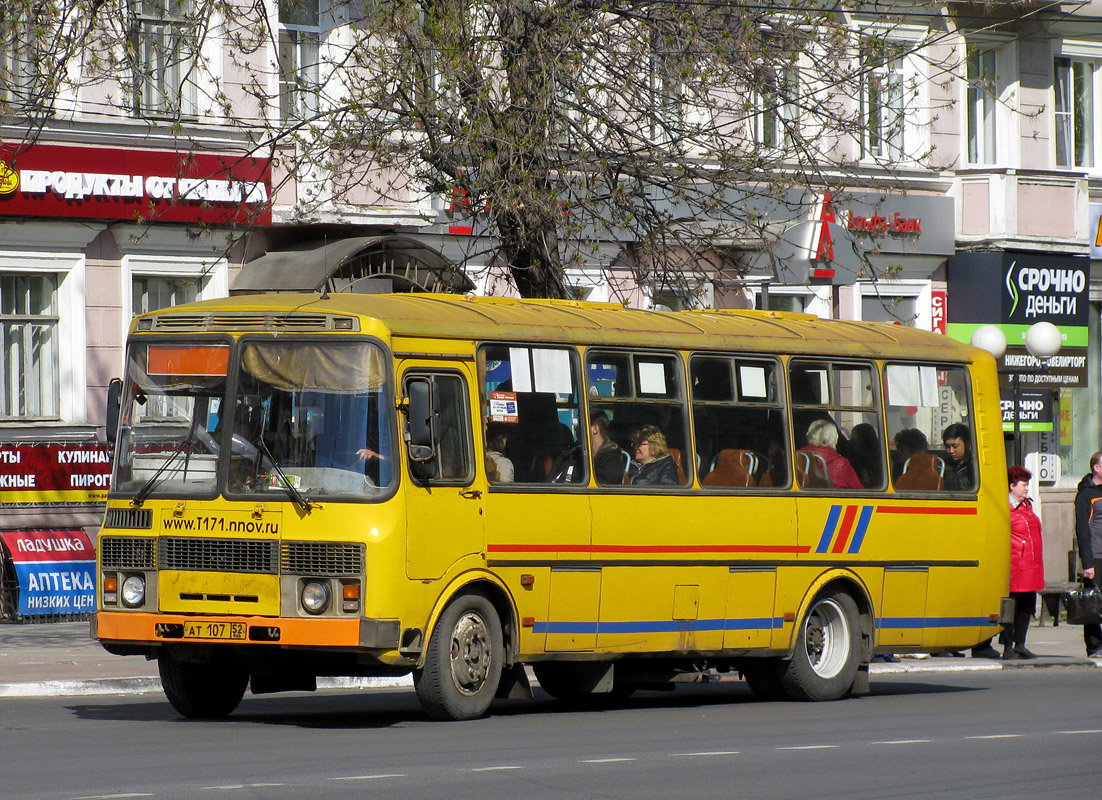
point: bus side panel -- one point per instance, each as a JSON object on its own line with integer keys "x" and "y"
{"x": 751, "y": 593}
{"x": 901, "y": 620}
{"x": 537, "y": 530}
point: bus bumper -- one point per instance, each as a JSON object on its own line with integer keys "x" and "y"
{"x": 153, "y": 629}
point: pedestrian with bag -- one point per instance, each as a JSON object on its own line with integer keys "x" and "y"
{"x": 1088, "y": 536}
{"x": 1027, "y": 563}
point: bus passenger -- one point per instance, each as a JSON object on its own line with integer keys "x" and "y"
{"x": 656, "y": 465}
{"x": 822, "y": 439}
{"x": 498, "y": 465}
{"x": 959, "y": 474}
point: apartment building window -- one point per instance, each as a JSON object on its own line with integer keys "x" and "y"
{"x": 777, "y": 109}
{"x": 981, "y": 102}
{"x": 1073, "y": 85}
{"x": 667, "y": 100}
{"x": 882, "y": 103}
{"x": 299, "y": 44}
{"x": 166, "y": 39}
{"x": 24, "y": 34}
{"x": 151, "y": 293}
{"x": 29, "y": 346}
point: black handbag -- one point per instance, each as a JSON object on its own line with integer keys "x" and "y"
{"x": 1084, "y": 605}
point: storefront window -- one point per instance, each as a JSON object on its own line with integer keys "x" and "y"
{"x": 28, "y": 344}
{"x": 1079, "y": 428}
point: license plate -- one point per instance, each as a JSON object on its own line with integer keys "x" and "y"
{"x": 214, "y": 630}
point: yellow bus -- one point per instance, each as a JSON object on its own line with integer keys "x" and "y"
{"x": 460, "y": 488}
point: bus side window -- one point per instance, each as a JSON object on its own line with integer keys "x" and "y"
{"x": 641, "y": 396}
{"x": 928, "y": 407}
{"x": 738, "y": 422}
{"x": 837, "y": 425}
{"x": 531, "y": 401}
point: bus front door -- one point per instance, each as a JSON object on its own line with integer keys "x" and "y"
{"x": 444, "y": 506}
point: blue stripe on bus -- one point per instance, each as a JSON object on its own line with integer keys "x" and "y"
{"x": 862, "y": 527}
{"x": 932, "y": 622}
{"x": 663, "y": 626}
{"x": 828, "y": 529}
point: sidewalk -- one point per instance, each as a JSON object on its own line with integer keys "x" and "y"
{"x": 60, "y": 659}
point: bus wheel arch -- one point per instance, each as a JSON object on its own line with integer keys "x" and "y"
{"x": 831, "y": 646}
{"x": 464, "y": 660}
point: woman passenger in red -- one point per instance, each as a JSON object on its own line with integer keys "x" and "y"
{"x": 1027, "y": 563}
{"x": 822, "y": 440}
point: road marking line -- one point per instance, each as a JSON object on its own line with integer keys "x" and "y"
{"x": 997, "y": 736}
{"x": 495, "y": 769}
{"x": 369, "y": 777}
{"x": 707, "y": 753}
{"x": 113, "y": 796}
{"x": 603, "y": 760}
{"x": 810, "y": 747}
{"x": 1076, "y": 733}
{"x": 905, "y": 741}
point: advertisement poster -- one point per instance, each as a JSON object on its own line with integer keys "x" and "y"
{"x": 55, "y": 571}
{"x": 54, "y": 473}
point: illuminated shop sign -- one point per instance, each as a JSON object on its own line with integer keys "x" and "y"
{"x": 104, "y": 183}
{"x": 1015, "y": 290}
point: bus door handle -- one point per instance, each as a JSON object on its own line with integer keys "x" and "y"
{"x": 471, "y": 494}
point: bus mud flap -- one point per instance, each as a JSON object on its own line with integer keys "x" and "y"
{"x": 514, "y": 684}
{"x": 860, "y": 682}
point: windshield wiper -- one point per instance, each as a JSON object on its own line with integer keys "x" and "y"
{"x": 284, "y": 482}
{"x": 146, "y": 489}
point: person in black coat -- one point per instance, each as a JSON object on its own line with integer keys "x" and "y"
{"x": 656, "y": 465}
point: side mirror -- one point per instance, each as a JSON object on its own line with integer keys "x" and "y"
{"x": 114, "y": 406}
{"x": 419, "y": 418}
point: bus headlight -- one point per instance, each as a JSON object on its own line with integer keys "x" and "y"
{"x": 315, "y": 597}
{"x": 133, "y": 591}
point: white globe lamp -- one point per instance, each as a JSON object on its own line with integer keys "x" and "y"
{"x": 989, "y": 338}
{"x": 1043, "y": 340}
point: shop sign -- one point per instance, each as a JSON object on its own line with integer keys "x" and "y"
{"x": 1033, "y": 408}
{"x": 105, "y": 183}
{"x": 937, "y": 312}
{"x": 55, "y": 570}
{"x": 54, "y": 473}
{"x": 1015, "y": 290}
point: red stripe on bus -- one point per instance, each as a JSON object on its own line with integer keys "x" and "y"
{"x": 644, "y": 548}
{"x": 845, "y": 529}
{"x": 924, "y": 510}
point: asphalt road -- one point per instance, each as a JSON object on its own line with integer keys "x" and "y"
{"x": 1009, "y": 734}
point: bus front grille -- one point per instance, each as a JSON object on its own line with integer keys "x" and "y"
{"x": 136, "y": 518}
{"x": 242, "y": 322}
{"x": 128, "y": 552}
{"x": 218, "y": 555}
{"x": 322, "y": 559}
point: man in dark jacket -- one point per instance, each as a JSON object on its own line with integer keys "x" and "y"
{"x": 959, "y": 472}
{"x": 1088, "y": 535}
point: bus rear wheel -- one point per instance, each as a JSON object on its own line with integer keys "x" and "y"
{"x": 464, "y": 660}
{"x": 763, "y": 676}
{"x": 202, "y": 691}
{"x": 824, "y": 664}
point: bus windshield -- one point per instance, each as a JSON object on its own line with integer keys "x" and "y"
{"x": 300, "y": 418}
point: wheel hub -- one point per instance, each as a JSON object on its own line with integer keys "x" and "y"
{"x": 470, "y": 653}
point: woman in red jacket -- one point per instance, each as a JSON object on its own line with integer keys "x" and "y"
{"x": 1027, "y": 563}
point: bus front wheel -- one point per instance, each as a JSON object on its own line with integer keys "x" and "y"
{"x": 202, "y": 691}
{"x": 824, "y": 664}
{"x": 464, "y": 660}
